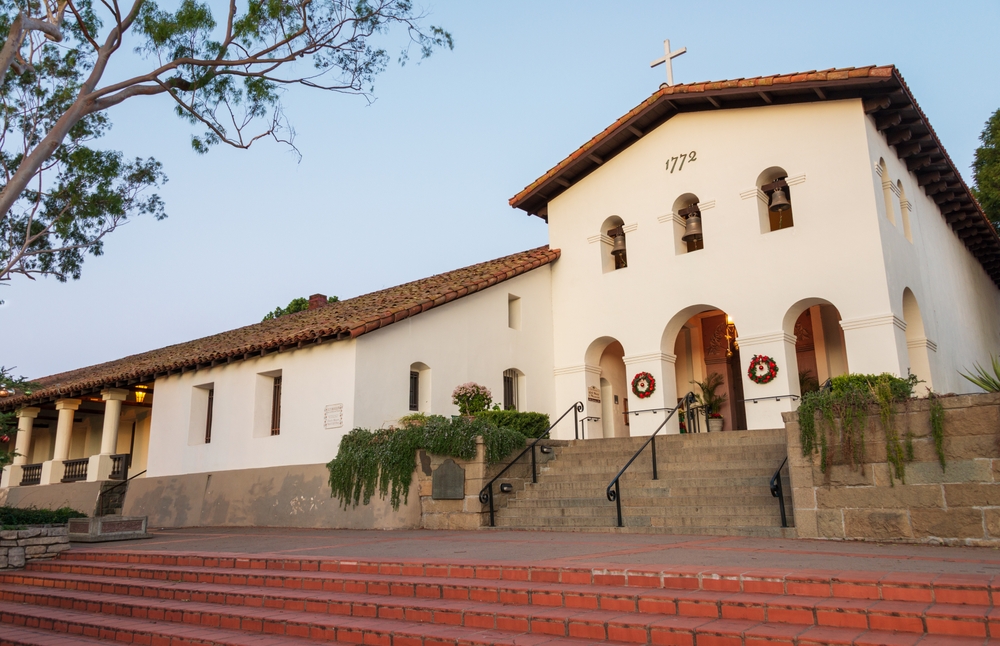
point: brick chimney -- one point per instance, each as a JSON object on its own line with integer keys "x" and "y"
{"x": 317, "y": 300}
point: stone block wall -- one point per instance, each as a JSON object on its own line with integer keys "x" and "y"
{"x": 957, "y": 505}
{"x": 469, "y": 513}
{"x": 17, "y": 546}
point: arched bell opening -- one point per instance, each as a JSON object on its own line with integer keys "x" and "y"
{"x": 774, "y": 200}
{"x": 820, "y": 348}
{"x": 607, "y": 394}
{"x": 688, "y": 233}
{"x": 614, "y": 254}
{"x": 888, "y": 195}
{"x": 919, "y": 348}
{"x": 704, "y": 342}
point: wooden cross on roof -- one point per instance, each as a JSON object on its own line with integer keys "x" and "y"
{"x": 667, "y": 59}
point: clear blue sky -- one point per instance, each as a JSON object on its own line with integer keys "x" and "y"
{"x": 418, "y": 182}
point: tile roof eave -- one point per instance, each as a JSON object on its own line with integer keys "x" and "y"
{"x": 985, "y": 245}
{"x": 138, "y": 368}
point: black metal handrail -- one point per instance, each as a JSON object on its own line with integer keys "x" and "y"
{"x": 774, "y": 397}
{"x": 123, "y": 483}
{"x": 614, "y": 487}
{"x": 778, "y": 493}
{"x": 692, "y": 419}
{"x": 648, "y": 410}
{"x": 31, "y": 474}
{"x": 583, "y": 426}
{"x": 486, "y": 493}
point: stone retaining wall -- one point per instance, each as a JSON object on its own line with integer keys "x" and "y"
{"x": 17, "y": 546}
{"x": 959, "y": 505}
{"x": 469, "y": 513}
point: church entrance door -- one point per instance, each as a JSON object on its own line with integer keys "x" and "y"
{"x": 706, "y": 345}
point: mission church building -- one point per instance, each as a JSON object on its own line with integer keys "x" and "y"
{"x": 814, "y": 219}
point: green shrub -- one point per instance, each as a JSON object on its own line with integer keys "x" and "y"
{"x": 530, "y": 425}
{"x": 383, "y": 461}
{"x": 13, "y": 516}
{"x": 851, "y": 399}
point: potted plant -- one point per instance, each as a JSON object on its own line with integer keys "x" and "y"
{"x": 471, "y": 398}
{"x": 712, "y": 402}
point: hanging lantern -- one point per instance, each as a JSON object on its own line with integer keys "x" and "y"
{"x": 779, "y": 201}
{"x": 4, "y": 392}
{"x": 692, "y": 228}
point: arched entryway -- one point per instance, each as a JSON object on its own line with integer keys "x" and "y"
{"x": 918, "y": 346}
{"x": 703, "y": 342}
{"x": 820, "y": 349}
{"x": 607, "y": 396}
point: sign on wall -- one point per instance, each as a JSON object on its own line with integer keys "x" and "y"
{"x": 333, "y": 416}
{"x": 594, "y": 394}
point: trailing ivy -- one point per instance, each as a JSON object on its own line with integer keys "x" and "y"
{"x": 851, "y": 399}
{"x": 383, "y": 461}
{"x": 937, "y": 427}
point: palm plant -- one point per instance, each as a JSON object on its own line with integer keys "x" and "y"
{"x": 708, "y": 398}
{"x": 982, "y": 377}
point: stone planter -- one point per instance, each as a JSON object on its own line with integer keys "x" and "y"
{"x": 715, "y": 424}
{"x": 18, "y": 546}
{"x": 101, "y": 529}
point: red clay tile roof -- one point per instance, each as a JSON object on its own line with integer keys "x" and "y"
{"x": 886, "y": 97}
{"x": 346, "y": 319}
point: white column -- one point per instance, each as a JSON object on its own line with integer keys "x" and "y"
{"x": 52, "y": 470}
{"x": 25, "y": 422}
{"x": 762, "y": 408}
{"x": 113, "y": 398}
{"x": 661, "y": 366}
{"x": 876, "y": 344}
{"x": 64, "y": 427}
{"x": 577, "y": 384}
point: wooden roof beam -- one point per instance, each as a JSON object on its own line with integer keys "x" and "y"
{"x": 898, "y": 135}
{"x": 876, "y": 103}
{"x": 884, "y": 122}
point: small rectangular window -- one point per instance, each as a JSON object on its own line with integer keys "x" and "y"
{"x": 513, "y": 312}
{"x": 208, "y": 416}
{"x": 276, "y": 406}
{"x": 414, "y": 390}
{"x": 510, "y": 389}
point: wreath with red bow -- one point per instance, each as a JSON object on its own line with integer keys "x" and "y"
{"x": 767, "y": 364}
{"x": 643, "y": 385}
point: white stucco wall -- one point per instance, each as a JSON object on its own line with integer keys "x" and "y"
{"x": 312, "y": 378}
{"x": 763, "y": 280}
{"x": 959, "y": 304}
{"x": 465, "y": 340}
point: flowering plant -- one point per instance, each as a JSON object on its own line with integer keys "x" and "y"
{"x": 715, "y": 416}
{"x": 471, "y": 398}
{"x": 763, "y": 369}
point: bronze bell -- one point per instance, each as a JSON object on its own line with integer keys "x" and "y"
{"x": 692, "y": 227}
{"x": 779, "y": 201}
{"x": 619, "y": 246}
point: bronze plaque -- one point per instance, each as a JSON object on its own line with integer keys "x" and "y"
{"x": 448, "y": 481}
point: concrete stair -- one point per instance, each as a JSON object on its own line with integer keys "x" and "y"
{"x": 186, "y": 599}
{"x": 708, "y": 484}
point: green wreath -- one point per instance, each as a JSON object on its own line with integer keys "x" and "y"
{"x": 643, "y": 385}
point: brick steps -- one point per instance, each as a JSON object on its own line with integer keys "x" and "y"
{"x": 135, "y": 598}
{"x": 43, "y": 626}
{"x": 390, "y": 598}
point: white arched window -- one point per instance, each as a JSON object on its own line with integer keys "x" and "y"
{"x": 887, "y": 191}
{"x": 420, "y": 388}
{"x": 513, "y": 389}
{"x": 688, "y": 235}
{"x": 774, "y": 200}
{"x": 612, "y": 236}
{"x": 904, "y": 210}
